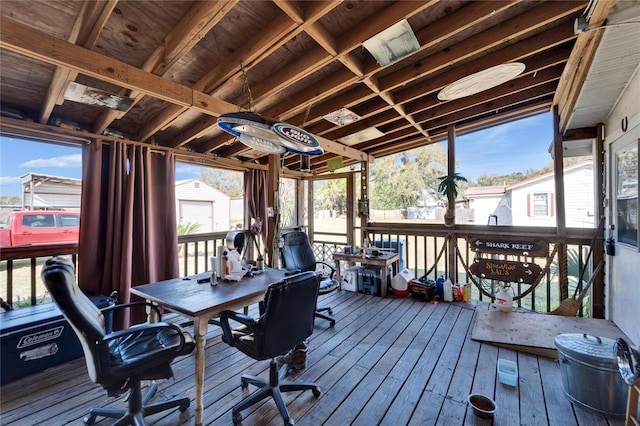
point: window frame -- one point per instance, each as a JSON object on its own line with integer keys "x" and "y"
{"x": 626, "y": 201}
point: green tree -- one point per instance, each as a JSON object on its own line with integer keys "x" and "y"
{"x": 10, "y": 200}
{"x": 407, "y": 179}
{"x": 490, "y": 179}
{"x": 231, "y": 183}
{"x": 331, "y": 194}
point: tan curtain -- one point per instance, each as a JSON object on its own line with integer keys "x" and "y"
{"x": 128, "y": 231}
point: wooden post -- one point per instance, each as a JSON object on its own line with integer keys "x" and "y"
{"x": 597, "y": 291}
{"x": 273, "y": 196}
{"x": 561, "y": 225}
{"x": 363, "y": 207}
{"x": 451, "y": 204}
{"x": 351, "y": 208}
{"x": 300, "y": 202}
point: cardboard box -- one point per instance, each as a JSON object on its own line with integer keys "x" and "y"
{"x": 351, "y": 278}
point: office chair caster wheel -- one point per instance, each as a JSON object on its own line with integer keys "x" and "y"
{"x": 316, "y": 391}
{"x": 89, "y": 419}
{"x": 330, "y": 311}
{"x": 243, "y": 383}
{"x": 332, "y": 323}
{"x": 237, "y": 418}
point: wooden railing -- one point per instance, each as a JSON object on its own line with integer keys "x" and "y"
{"x": 425, "y": 249}
{"x": 20, "y": 266}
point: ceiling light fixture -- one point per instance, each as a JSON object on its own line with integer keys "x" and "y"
{"x": 342, "y": 117}
{"x": 481, "y": 81}
{"x": 361, "y": 136}
{"x": 268, "y": 135}
{"x": 393, "y": 44}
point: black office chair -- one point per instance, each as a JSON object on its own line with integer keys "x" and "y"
{"x": 297, "y": 255}
{"x": 120, "y": 360}
{"x": 286, "y": 319}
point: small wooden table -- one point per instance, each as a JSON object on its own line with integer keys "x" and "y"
{"x": 383, "y": 260}
{"x": 203, "y": 301}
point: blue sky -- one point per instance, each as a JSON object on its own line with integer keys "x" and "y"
{"x": 516, "y": 146}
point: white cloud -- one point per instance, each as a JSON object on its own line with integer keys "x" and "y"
{"x": 188, "y": 169}
{"x": 71, "y": 161}
{"x": 10, "y": 180}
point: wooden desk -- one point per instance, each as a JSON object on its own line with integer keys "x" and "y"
{"x": 383, "y": 260}
{"x": 201, "y": 302}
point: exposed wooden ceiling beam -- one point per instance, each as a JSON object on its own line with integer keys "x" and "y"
{"x": 194, "y": 26}
{"x": 514, "y": 28}
{"x": 21, "y": 39}
{"x": 346, "y": 43}
{"x": 90, "y": 21}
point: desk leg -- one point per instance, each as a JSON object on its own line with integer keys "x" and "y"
{"x": 338, "y": 275}
{"x": 383, "y": 281}
{"x": 200, "y": 330}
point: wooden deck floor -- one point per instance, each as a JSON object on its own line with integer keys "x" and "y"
{"x": 387, "y": 361}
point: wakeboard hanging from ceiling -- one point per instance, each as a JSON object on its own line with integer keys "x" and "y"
{"x": 267, "y": 135}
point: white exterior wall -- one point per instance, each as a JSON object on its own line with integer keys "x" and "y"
{"x": 483, "y": 206}
{"x": 520, "y": 200}
{"x": 579, "y": 197}
{"x": 187, "y": 191}
{"x": 622, "y": 282}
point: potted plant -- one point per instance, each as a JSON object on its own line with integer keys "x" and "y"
{"x": 448, "y": 186}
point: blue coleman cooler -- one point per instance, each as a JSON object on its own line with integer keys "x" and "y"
{"x": 35, "y": 338}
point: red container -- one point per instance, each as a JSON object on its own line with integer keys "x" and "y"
{"x": 400, "y": 293}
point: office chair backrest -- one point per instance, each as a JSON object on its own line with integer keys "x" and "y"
{"x": 289, "y": 313}
{"x": 85, "y": 318}
{"x": 297, "y": 253}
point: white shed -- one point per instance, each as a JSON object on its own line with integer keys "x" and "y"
{"x": 533, "y": 201}
{"x": 491, "y": 205}
{"x": 198, "y": 202}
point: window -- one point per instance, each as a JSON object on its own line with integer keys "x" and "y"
{"x": 69, "y": 220}
{"x": 208, "y": 199}
{"x": 39, "y": 221}
{"x": 627, "y": 195}
{"x": 540, "y": 204}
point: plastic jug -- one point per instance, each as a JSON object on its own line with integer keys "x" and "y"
{"x": 447, "y": 290}
{"x": 504, "y": 298}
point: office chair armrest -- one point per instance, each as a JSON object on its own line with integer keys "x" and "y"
{"x": 328, "y": 265}
{"x": 146, "y": 328}
{"x": 225, "y": 316}
{"x": 131, "y": 304}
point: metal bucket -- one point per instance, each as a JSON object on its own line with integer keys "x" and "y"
{"x": 590, "y": 376}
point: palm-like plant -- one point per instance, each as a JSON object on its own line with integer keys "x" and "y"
{"x": 448, "y": 186}
{"x": 188, "y": 228}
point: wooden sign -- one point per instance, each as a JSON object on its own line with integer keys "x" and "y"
{"x": 506, "y": 270}
{"x": 535, "y": 248}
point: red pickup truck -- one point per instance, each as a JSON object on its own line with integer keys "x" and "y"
{"x": 39, "y": 227}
